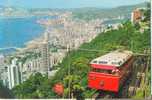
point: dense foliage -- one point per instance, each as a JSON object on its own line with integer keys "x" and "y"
{"x": 37, "y": 86}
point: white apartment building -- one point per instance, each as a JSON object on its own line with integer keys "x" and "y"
{"x": 14, "y": 75}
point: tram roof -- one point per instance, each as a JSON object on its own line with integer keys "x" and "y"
{"x": 115, "y": 58}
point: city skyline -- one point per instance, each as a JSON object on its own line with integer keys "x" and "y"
{"x": 69, "y": 3}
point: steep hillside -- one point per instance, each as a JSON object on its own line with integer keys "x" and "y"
{"x": 75, "y": 66}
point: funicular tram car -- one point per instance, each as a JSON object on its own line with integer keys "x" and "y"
{"x": 110, "y": 71}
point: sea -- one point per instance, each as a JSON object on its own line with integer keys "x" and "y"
{"x": 16, "y": 32}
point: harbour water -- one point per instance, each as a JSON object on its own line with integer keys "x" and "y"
{"x": 15, "y": 32}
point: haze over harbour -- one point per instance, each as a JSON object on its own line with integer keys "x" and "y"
{"x": 69, "y": 3}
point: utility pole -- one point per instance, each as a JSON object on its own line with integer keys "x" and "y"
{"x": 68, "y": 48}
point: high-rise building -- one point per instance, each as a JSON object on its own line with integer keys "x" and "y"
{"x": 2, "y": 58}
{"x": 4, "y": 78}
{"x": 14, "y": 76}
{"x": 45, "y": 54}
{"x": 1, "y": 65}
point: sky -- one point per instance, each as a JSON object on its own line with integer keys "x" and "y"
{"x": 68, "y": 3}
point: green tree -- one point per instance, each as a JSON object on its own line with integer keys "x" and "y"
{"x": 74, "y": 89}
{"x": 31, "y": 87}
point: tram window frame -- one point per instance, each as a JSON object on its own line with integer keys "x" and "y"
{"x": 98, "y": 70}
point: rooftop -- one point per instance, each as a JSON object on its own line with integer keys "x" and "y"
{"x": 115, "y": 58}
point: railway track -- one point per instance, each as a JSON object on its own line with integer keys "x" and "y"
{"x": 132, "y": 83}
{"x": 104, "y": 95}
{"x": 141, "y": 66}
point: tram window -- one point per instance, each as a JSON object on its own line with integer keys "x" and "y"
{"x": 102, "y": 62}
{"x": 101, "y": 70}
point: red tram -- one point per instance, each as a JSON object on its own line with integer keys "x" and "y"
{"x": 110, "y": 71}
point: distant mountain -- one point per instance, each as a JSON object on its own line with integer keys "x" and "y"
{"x": 9, "y": 11}
{"x": 81, "y": 13}
{"x": 93, "y": 13}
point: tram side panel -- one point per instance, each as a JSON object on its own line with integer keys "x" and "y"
{"x": 101, "y": 81}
